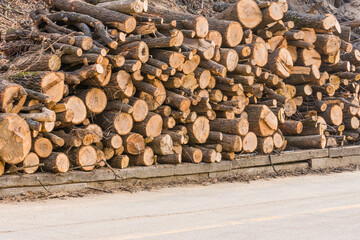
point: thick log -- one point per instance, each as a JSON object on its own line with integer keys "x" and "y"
{"x": 42, "y": 147}
{"x": 265, "y": 145}
{"x": 333, "y": 115}
{"x": 37, "y": 62}
{"x": 119, "y": 86}
{"x": 146, "y": 158}
{"x": 262, "y": 121}
{"x": 30, "y": 164}
{"x": 77, "y": 106}
{"x": 169, "y": 159}
{"x": 291, "y": 127}
{"x": 115, "y": 121}
{"x": 133, "y": 143}
{"x": 247, "y": 12}
{"x": 249, "y": 142}
{"x": 119, "y": 161}
{"x": 150, "y": 127}
{"x": 112, "y": 140}
{"x": 84, "y": 158}
{"x": 231, "y": 31}
{"x": 231, "y": 143}
{"x": 327, "y": 44}
{"x": 95, "y": 100}
{"x": 12, "y": 97}
{"x": 135, "y": 50}
{"x": 302, "y": 20}
{"x": 56, "y": 163}
{"x": 239, "y": 126}
{"x": 280, "y": 62}
{"x": 312, "y": 141}
{"x": 191, "y": 154}
{"x": 162, "y": 144}
{"x": 199, "y": 130}
{"x": 129, "y": 6}
{"x": 76, "y": 77}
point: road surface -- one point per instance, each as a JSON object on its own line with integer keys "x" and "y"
{"x": 308, "y": 207}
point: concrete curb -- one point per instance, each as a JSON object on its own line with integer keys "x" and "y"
{"x": 244, "y": 164}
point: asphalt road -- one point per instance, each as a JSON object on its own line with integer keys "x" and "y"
{"x": 309, "y": 207}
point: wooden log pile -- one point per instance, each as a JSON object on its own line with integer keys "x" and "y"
{"x": 122, "y": 83}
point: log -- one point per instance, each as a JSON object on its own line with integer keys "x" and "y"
{"x": 56, "y": 163}
{"x": 70, "y": 140}
{"x": 247, "y": 12}
{"x": 191, "y": 154}
{"x": 265, "y": 145}
{"x": 130, "y": 6}
{"x": 162, "y": 145}
{"x": 239, "y": 126}
{"x": 199, "y": 130}
{"x": 112, "y": 140}
{"x": 42, "y": 147}
{"x": 119, "y": 86}
{"x": 30, "y": 164}
{"x": 15, "y": 138}
{"x": 12, "y": 97}
{"x": 77, "y": 106}
{"x": 37, "y": 62}
{"x": 123, "y": 22}
{"x": 150, "y": 127}
{"x": 303, "y": 20}
{"x": 291, "y": 127}
{"x": 249, "y": 142}
{"x": 146, "y": 158}
{"x": 231, "y": 143}
{"x": 118, "y": 122}
{"x": 84, "y": 158}
{"x": 197, "y": 23}
{"x": 262, "y": 121}
{"x": 333, "y": 115}
{"x": 119, "y": 161}
{"x": 169, "y": 159}
{"x": 327, "y": 44}
{"x": 312, "y": 141}
{"x": 133, "y": 143}
{"x": 95, "y": 100}
{"x": 280, "y": 62}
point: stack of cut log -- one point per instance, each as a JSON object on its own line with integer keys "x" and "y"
{"x": 122, "y": 83}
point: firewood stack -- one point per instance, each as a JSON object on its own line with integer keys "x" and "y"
{"x": 123, "y": 83}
